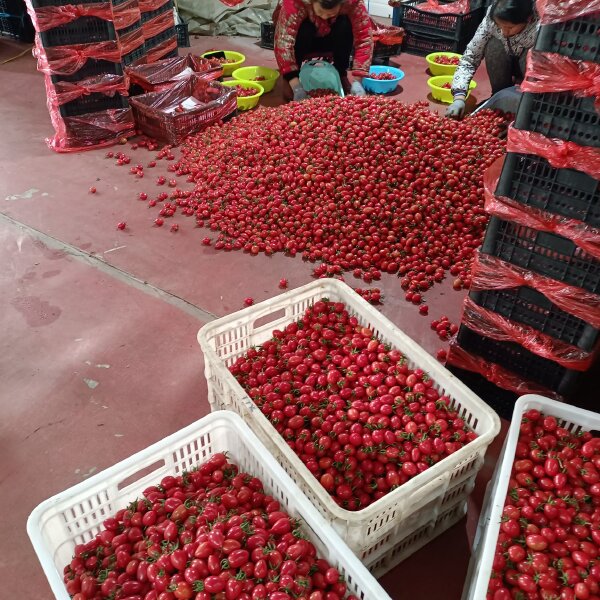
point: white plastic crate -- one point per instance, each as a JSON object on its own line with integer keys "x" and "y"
{"x": 377, "y": 532}
{"x": 75, "y": 515}
{"x": 488, "y": 529}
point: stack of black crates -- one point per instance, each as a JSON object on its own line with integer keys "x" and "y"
{"x": 427, "y": 32}
{"x": 532, "y": 182}
{"x": 14, "y": 21}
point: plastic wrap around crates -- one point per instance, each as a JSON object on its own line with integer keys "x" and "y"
{"x": 422, "y": 45}
{"x": 457, "y": 27}
{"x": 91, "y": 68}
{"x": 484, "y": 546}
{"x": 545, "y": 253}
{"x": 379, "y": 534}
{"x": 530, "y": 307}
{"x": 135, "y": 57}
{"x": 85, "y": 30}
{"x": 578, "y": 39}
{"x": 151, "y": 14}
{"x": 91, "y": 103}
{"x": 267, "y": 35}
{"x": 519, "y": 360}
{"x": 75, "y": 516}
{"x": 561, "y": 115}
{"x": 501, "y": 400}
{"x": 156, "y": 113}
{"x": 158, "y": 39}
{"x": 166, "y": 49}
{"x": 532, "y": 181}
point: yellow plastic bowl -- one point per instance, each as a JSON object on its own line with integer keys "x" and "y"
{"x": 437, "y": 69}
{"x": 251, "y": 73}
{"x": 247, "y": 102}
{"x": 444, "y": 94}
{"x": 229, "y": 68}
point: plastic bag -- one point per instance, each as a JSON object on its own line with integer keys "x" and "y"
{"x": 148, "y": 5}
{"x": 231, "y": 2}
{"x": 557, "y": 11}
{"x": 159, "y": 51}
{"x": 493, "y": 325}
{"x": 47, "y": 17}
{"x": 65, "y": 91}
{"x": 67, "y": 60}
{"x": 494, "y": 373}
{"x": 130, "y": 41}
{"x": 460, "y": 7}
{"x": 388, "y": 35}
{"x": 160, "y": 75}
{"x": 126, "y": 14}
{"x": 158, "y": 24}
{"x": 549, "y": 72}
{"x": 187, "y": 107}
{"x": 491, "y": 273}
{"x": 585, "y": 236}
{"x": 560, "y": 154}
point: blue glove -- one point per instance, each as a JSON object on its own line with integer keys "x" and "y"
{"x": 299, "y": 93}
{"x": 456, "y": 110}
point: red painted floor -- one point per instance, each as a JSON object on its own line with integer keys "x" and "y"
{"x": 98, "y": 356}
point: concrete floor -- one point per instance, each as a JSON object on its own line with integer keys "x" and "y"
{"x": 98, "y": 352}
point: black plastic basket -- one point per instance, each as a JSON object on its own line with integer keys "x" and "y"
{"x": 147, "y": 16}
{"x": 457, "y": 27}
{"x": 133, "y": 56}
{"x": 85, "y": 30}
{"x": 545, "y": 253}
{"x": 529, "y": 307}
{"x": 267, "y": 35}
{"x": 183, "y": 36}
{"x": 383, "y": 52}
{"x": 425, "y": 44}
{"x": 158, "y": 39}
{"x": 91, "y": 68}
{"x": 561, "y": 115}
{"x": 517, "y": 359}
{"x": 17, "y": 26}
{"x": 169, "y": 54}
{"x": 501, "y": 400}
{"x": 532, "y": 181}
{"x": 44, "y": 3}
{"x": 92, "y": 103}
{"x": 578, "y": 39}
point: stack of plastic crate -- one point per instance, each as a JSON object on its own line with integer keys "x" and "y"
{"x": 14, "y": 21}
{"x": 80, "y": 49}
{"x": 430, "y": 31}
{"x": 128, "y": 23}
{"x": 158, "y": 24}
{"x": 532, "y": 318}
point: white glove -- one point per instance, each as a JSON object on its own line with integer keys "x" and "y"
{"x": 456, "y": 110}
{"x": 299, "y": 93}
{"x": 356, "y": 89}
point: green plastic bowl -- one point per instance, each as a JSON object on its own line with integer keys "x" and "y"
{"x": 437, "y": 69}
{"x": 247, "y": 102}
{"x": 229, "y": 68}
{"x": 251, "y": 73}
{"x": 444, "y": 94}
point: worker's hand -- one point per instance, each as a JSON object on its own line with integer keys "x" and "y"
{"x": 356, "y": 89}
{"x": 299, "y": 93}
{"x": 456, "y": 110}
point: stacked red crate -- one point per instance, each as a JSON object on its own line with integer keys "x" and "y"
{"x": 158, "y": 23}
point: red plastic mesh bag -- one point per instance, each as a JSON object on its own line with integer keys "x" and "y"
{"x": 494, "y": 373}
{"x": 47, "y": 17}
{"x": 160, "y": 75}
{"x": 548, "y": 72}
{"x": 65, "y": 91}
{"x": 493, "y": 325}
{"x": 67, "y": 60}
{"x": 585, "y": 236}
{"x": 557, "y": 11}
{"x": 560, "y": 154}
{"x": 187, "y": 107}
{"x": 460, "y": 7}
{"x": 158, "y": 24}
{"x": 159, "y": 51}
{"x": 126, "y": 14}
{"x": 491, "y": 273}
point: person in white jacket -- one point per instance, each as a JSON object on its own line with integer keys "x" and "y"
{"x": 505, "y": 35}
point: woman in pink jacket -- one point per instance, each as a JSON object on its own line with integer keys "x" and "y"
{"x": 305, "y": 28}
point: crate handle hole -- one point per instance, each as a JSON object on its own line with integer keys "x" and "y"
{"x": 141, "y": 473}
{"x": 265, "y": 319}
